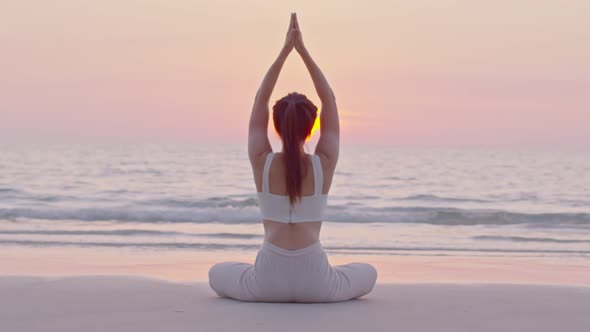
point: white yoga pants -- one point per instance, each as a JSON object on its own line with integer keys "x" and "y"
{"x": 282, "y": 275}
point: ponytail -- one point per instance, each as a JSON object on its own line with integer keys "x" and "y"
{"x": 290, "y": 135}
{"x": 294, "y": 116}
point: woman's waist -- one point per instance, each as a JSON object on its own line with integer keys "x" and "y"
{"x": 312, "y": 249}
{"x": 293, "y": 235}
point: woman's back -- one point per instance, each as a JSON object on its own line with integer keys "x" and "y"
{"x": 277, "y": 182}
{"x": 300, "y": 227}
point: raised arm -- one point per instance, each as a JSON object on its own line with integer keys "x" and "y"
{"x": 329, "y": 142}
{"x": 258, "y": 143}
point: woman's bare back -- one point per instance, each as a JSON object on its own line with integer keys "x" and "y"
{"x": 295, "y": 235}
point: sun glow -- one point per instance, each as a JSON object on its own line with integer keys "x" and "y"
{"x": 316, "y": 126}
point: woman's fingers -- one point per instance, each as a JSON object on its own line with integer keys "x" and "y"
{"x": 296, "y": 23}
{"x": 290, "y": 39}
{"x": 297, "y": 34}
{"x": 291, "y": 22}
{"x": 293, "y": 34}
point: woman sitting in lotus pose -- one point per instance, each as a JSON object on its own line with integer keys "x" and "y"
{"x": 293, "y": 187}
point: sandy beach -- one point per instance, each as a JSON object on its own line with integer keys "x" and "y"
{"x": 123, "y": 303}
{"x": 81, "y": 289}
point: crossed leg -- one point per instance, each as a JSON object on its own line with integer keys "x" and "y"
{"x": 344, "y": 282}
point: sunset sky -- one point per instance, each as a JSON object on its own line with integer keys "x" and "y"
{"x": 409, "y": 73}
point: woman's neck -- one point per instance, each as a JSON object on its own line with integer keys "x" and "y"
{"x": 301, "y": 150}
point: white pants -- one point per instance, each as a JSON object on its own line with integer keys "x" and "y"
{"x": 302, "y": 275}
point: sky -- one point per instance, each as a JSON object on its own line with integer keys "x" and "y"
{"x": 405, "y": 73}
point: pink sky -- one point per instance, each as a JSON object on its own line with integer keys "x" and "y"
{"x": 411, "y": 73}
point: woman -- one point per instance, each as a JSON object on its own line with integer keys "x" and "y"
{"x": 293, "y": 186}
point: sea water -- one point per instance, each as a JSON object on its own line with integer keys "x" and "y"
{"x": 383, "y": 201}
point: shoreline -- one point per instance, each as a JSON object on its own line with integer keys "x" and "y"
{"x": 187, "y": 266}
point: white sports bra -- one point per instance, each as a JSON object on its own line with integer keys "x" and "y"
{"x": 277, "y": 207}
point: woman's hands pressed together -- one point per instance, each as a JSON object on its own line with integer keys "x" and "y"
{"x": 299, "y": 47}
{"x": 290, "y": 40}
{"x": 294, "y": 38}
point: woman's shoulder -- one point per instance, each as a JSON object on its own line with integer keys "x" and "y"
{"x": 257, "y": 162}
{"x": 328, "y": 164}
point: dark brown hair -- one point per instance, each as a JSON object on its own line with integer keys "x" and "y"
{"x": 294, "y": 116}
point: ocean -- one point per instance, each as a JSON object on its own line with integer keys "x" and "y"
{"x": 383, "y": 201}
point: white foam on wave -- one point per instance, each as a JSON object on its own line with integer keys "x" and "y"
{"x": 251, "y": 214}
